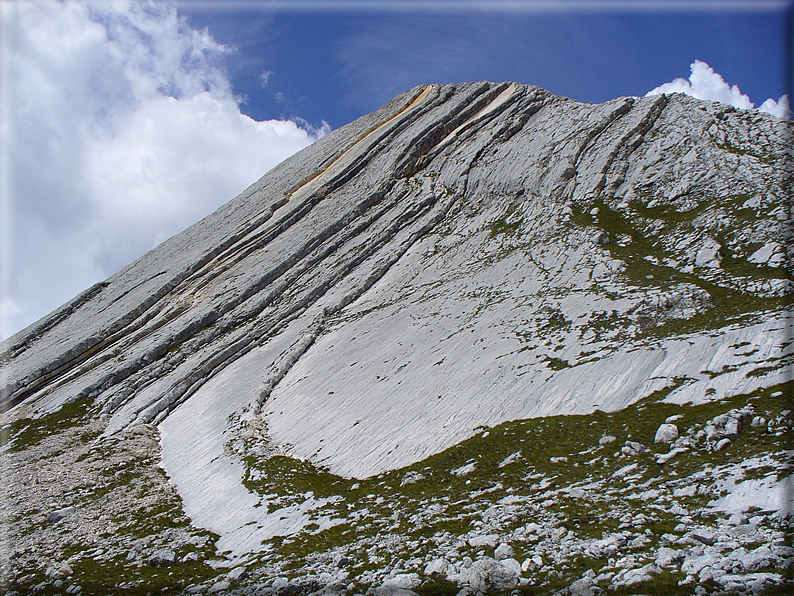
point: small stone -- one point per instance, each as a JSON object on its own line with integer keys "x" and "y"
{"x": 606, "y": 439}
{"x": 503, "y": 551}
{"x": 737, "y": 519}
{"x": 722, "y": 444}
{"x": 60, "y": 514}
{"x": 705, "y": 536}
{"x": 219, "y": 586}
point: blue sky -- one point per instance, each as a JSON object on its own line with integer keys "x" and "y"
{"x": 335, "y": 64}
{"x": 125, "y": 121}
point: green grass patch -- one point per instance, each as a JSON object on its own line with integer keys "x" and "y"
{"x": 27, "y": 432}
{"x": 444, "y": 502}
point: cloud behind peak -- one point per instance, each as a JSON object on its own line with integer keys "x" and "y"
{"x": 123, "y": 129}
{"x": 704, "y": 83}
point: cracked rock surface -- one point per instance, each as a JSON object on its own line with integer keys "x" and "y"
{"x": 467, "y": 256}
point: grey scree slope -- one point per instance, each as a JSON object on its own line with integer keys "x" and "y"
{"x": 466, "y": 173}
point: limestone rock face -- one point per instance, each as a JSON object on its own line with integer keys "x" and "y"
{"x": 466, "y": 255}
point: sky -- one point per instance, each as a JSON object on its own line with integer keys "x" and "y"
{"x": 122, "y": 122}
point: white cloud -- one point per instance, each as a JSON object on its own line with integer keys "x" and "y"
{"x": 122, "y": 129}
{"x": 704, "y": 83}
{"x": 780, "y": 108}
{"x": 264, "y": 77}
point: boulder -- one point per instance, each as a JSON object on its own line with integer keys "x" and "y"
{"x": 737, "y": 519}
{"x": 695, "y": 565}
{"x": 401, "y": 581}
{"x": 667, "y": 433}
{"x": 236, "y": 574}
{"x": 639, "y": 575}
{"x": 162, "y": 558}
{"x": 483, "y": 540}
{"x": 771, "y": 254}
{"x": 439, "y": 566}
{"x": 489, "y": 575}
{"x": 710, "y": 254}
{"x": 705, "y": 536}
{"x": 601, "y": 238}
{"x": 760, "y": 558}
{"x": 535, "y": 562}
{"x": 603, "y": 549}
{"x": 581, "y": 587}
{"x": 280, "y": 583}
{"x": 411, "y": 478}
{"x": 725, "y": 426}
{"x": 633, "y": 448}
{"x": 668, "y": 557}
{"x": 752, "y": 582}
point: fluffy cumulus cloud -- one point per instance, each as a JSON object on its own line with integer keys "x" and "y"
{"x": 121, "y": 129}
{"x": 704, "y": 83}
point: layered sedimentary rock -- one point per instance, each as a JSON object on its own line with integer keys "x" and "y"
{"x": 466, "y": 255}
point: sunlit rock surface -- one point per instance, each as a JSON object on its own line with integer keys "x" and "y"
{"x": 466, "y": 255}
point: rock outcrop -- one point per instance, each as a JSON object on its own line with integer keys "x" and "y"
{"x": 466, "y": 256}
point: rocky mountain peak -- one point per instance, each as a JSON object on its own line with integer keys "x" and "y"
{"x": 400, "y": 313}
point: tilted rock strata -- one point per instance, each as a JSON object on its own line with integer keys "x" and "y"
{"x": 466, "y": 255}
{"x": 320, "y": 229}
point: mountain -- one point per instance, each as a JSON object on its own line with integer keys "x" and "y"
{"x": 484, "y": 338}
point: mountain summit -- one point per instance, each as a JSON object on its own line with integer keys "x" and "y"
{"x": 467, "y": 340}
